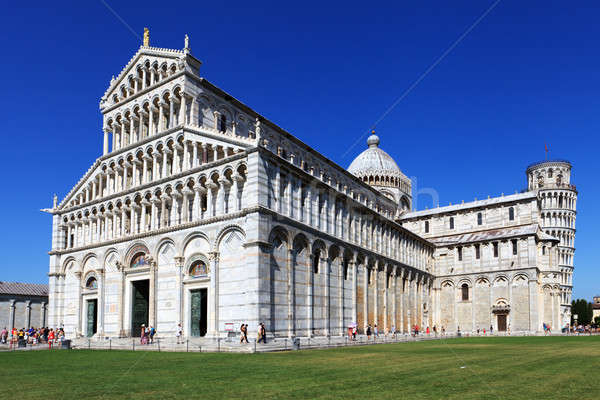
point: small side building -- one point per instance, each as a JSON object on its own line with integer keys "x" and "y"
{"x": 23, "y": 305}
{"x": 595, "y": 308}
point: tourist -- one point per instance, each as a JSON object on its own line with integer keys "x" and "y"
{"x": 375, "y": 332}
{"x": 427, "y": 331}
{"x": 491, "y": 330}
{"x": 4, "y": 335}
{"x": 14, "y": 335}
{"x": 244, "y": 333}
{"x": 179, "y": 334}
{"x": 443, "y": 330}
{"x": 354, "y": 332}
{"x": 264, "y": 333}
{"x": 152, "y": 332}
{"x": 143, "y": 334}
{"x": 50, "y": 339}
{"x": 368, "y": 332}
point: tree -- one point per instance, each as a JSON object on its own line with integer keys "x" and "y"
{"x": 583, "y": 310}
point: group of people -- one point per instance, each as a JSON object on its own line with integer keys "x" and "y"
{"x": 489, "y": 331}
{"x": 261, "y": 334}
{"x": 147, "y": 334}
{"x": 32, "y": 336}
{"x": 374, "y": 331}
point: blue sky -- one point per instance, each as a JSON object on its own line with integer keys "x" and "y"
{"x": 526, "y": 75}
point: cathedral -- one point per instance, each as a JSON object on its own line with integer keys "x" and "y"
{"x": 203, "y": 213}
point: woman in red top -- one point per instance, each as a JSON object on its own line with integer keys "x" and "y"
{"x": 50, "y": 338}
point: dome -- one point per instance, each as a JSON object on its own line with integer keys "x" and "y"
{"x": 374, "y": 161}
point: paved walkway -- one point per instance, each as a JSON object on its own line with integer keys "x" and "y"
{"x": 234, "y": 346}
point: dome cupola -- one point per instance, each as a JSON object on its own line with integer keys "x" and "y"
{"x": 374, "y": 161}
{"x": 377, "y": 168}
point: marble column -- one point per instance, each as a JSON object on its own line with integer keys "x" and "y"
{"x": 354, "y": 291}
{"x": 143, "y": 216}
{"x": 42, "y": 314}
{"x": 395, "y": 298}
{"x": 234, "y": 193}
{"x": 204, "y": 153}
{"x": 402, "y": 299}
{"x": 100, "y": 311}
{"x": 291, "y": 293}
{"x": 199, "y": 191}
{"x": 179, "y": 261}
{"x": 11, "y": 318}
{"x": 211, "y": 186}
{"x": 150, "y": 120}
{"x": 366, "y": 297}
{"x": 194, "y": 162}
{"x": 161, "y": 117}
{"x": 171, "y": 113}
{"x": 376, "y": 298}
{"x": 182, "y": 110}
{"x": 27, "y": 314}
{"x": 152, "y": 296}
{"x": 328, "y": 263}
{"x": 213, "y": 295}
{"x": 310, "y": 296}
{"x": 187, "y": 192}
{"x": 105, "y": 142}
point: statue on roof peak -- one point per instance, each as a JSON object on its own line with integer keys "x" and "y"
{"x": 146, "y": 42}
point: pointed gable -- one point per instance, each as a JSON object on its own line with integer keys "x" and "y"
{"x": 153, "y": 60}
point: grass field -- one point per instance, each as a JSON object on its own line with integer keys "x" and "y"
{"x": 475, "y": 368}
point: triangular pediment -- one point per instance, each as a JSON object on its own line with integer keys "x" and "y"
{"x": 81, "y": 186}
{"x": 163, "y": 60}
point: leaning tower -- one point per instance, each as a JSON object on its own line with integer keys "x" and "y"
{"x": 558, "y": 199}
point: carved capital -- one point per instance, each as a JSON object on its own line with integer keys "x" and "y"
{"x": 179, "y": 261}
{"x": 213, "y": 256}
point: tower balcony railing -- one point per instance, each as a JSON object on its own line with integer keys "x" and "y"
{"x": 552, "y": 186}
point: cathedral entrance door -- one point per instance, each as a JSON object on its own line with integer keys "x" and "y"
{"x": 140, "y": 306}
{"x": 198, "y": 301}
{"x": 92, "y": 317}
{"x": 502, "y": 322}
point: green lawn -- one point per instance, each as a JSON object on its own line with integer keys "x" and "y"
{"x": 475, "y": 368}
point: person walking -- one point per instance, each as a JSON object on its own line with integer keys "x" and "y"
{"x": 368, "y": 332}
{"x": 259, "y": 333}
{"x": 354, "y": 331}
{"x": 491, "y": 329}
{"x": 264, "y": 333}
{"x": 244, "y": 333}
{"x": 143, "y": 334}
{"x": 179, "y": 334}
